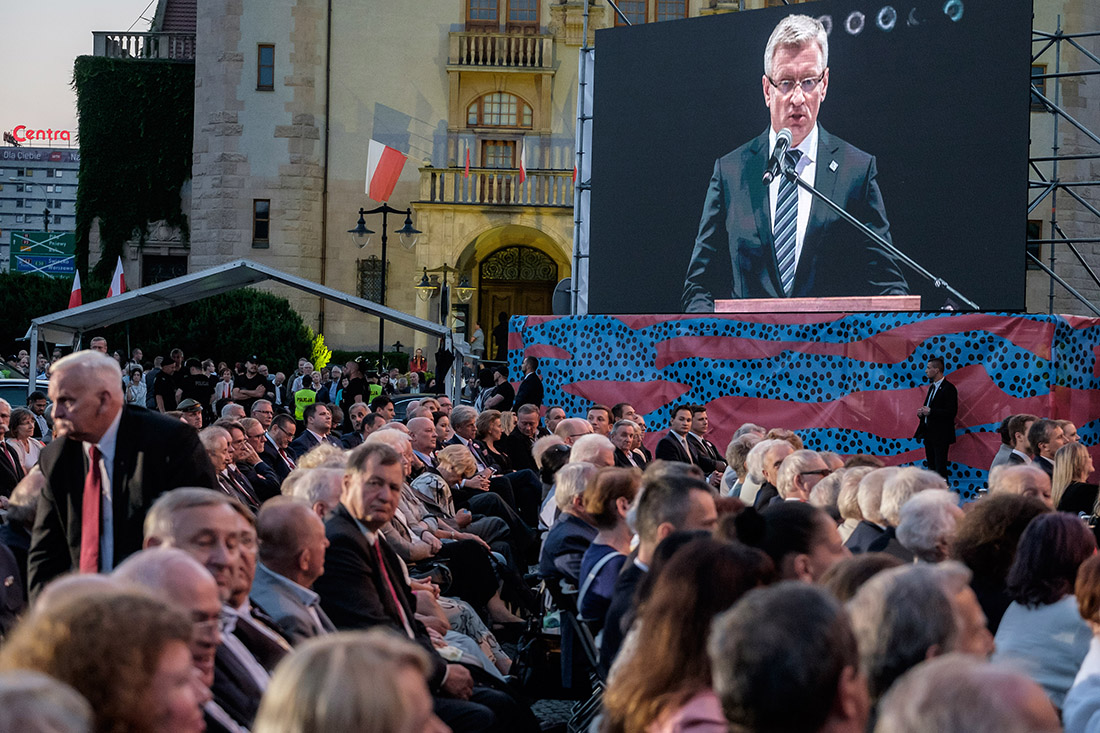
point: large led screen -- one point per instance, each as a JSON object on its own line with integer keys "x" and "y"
{"x": 917, "y": 126}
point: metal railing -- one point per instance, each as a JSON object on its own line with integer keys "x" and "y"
{"x": 502, "y": 50}
{"x": 496, "y": 187}
{"x": 138, "y": 45}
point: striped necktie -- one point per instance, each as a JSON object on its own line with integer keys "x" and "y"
{"x": 786, "y": 225}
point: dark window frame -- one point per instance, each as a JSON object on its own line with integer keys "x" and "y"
{"x": 261, "y": 66}
{"x": 261, "y": 224}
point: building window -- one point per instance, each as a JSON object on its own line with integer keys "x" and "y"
{"x": 20, "y": 187}
{"x": 523, "y": 15}
{"x": 1034, "y": 247}
{"x": 57, "y": 219}
{"x": 498, "y": 109}
{"x": 261, "y": 222}
{"x": 635, "y": 10}
{"x": 369, "y": 279}
{"x": 1040, "y": 85}
{"x": 265, "y": 67}
{"x": 498, "y": 154}
{"x": 19, "y": 203}
{"x": 18, "y": 218}
{"x": 671, "y": 9}
{"x": 58, "y": 174}
{"x": 482, "y": 13}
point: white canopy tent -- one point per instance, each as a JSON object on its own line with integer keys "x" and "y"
{"x": 69, "y": 326}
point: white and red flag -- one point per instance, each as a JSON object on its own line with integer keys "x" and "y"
{"x": 467, "y": 173}
{"x": 118, "y": 281}
{"x": 384, "y": 166}
{"x": 74, "y": 296}
{"x": 522, "y": 161}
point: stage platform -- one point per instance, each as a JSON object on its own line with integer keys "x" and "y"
{"x": 846, "y": 382}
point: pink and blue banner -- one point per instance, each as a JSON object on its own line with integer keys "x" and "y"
{"x": 849, "y": 383}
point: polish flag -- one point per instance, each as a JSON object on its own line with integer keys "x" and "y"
{"x": 74, "y": 296}
{"x": 384, "y": 166}
{"x": 467, "y": 173}
{"x": 118, "y": 281}
{"x": 522, "y": 161}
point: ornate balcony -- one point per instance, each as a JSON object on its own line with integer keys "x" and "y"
{"x": 500, "y": 51}
{"x": 131, "y": 45}
{"x": 496, "y": 187}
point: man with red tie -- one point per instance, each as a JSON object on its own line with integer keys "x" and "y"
{"x": 111, "y": 462}
{"x": 280, "y": 433}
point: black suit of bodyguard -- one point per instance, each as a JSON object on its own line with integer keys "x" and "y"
{"x": 936, "y": 417}
{"x": 149, "y": 454}
{"x": 739, "y": 249}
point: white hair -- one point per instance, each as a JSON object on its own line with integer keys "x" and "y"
{"x": 587, "y": 448}
{"x": 791, "y": 467}
{"x": 796, "y": 31}
{"x": 927, "y": 524}
{"x": 95, "y": 365}
{"x": 869, "y": 497}
{"x": 570, "y": 483}
{"x": 902, "y": 486}
{"x": 754, "y": 462}
{"x": 319, "y": 485}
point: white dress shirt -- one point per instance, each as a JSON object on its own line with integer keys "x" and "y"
{"x": 807, "y": 171}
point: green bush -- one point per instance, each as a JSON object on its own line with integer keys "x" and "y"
{"x": 23, "y": 297}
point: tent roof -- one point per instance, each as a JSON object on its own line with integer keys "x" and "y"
{"x": 60, "y": 327}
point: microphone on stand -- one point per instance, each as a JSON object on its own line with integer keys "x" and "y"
{"x": 775, "y": 163}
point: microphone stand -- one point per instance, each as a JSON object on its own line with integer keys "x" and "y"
{"x": 792, "y": 175}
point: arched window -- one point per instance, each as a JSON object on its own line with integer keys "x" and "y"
{"x": 499, "y": 109}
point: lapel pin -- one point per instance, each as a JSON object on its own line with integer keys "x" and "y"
{"x": 833, "y": 166}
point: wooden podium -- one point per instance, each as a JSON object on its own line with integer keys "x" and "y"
{"x": 873, "y": 303}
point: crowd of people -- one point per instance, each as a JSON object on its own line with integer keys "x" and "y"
{"x": 252, "y": 562}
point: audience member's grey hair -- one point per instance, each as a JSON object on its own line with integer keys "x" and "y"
{"x": 462, "y": 415}
{"x": 958, "y": 693}
{"x": 570, "y": 483}
{"x": 317, "y": 485}
{"x": 927, "y": 524}
{"x": 791, "y": 468}
{"x": 394, "y": 438}
{"x": 232, "y": 410}
{"x": 737, "y": 452}
{"x": 898, "y": 616}
{"x": 754, "y": 462}
{"x": 870, "y": 493}
{"x": 587, "y": 448}
{"x": 31, "y": 702}
{"x": 848, "y": 499}
{"x": 622, "y": 425}
{"x": 259, "y": 405}
{"x": 665, "y": 497}
{"x": 904, "y": 485}
{"x": 160, "y": 521}
{"x": 1022, "y": 480}
{"x": 749, "y": 429}
{"x": 827, "y": 491}
{"x": 99, "y": 369}
{"x": 209, "y": 435}
{"x": 159, "y": 569}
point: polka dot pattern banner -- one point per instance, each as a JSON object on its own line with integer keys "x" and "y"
{"x": 849, "y": 383}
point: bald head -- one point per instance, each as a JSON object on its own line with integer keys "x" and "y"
{"x": 572, "y": 428}
{"x": 422, "y": 432}
{"x": 86, "y": 391}
{"x": 1023, "y": 480}
{"x": 168, "y": 572}
{"x": 68, "y": 587}
{"x": 292, "y": 539}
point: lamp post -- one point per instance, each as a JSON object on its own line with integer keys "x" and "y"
{"x": 46, "y": 220}
{"x": 426, "y": 288}
{"x": 362, "y": 236}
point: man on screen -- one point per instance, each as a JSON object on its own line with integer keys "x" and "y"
{"x": 743, "y": 249}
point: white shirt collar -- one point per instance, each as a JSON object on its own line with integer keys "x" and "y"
{"x": 108, "y": 442}
{"x": 808, "y": 146}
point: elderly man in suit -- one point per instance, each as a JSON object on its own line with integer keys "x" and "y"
{"x": 363, "y": 586}
{"x": 111, "y": 462}
{"x": 774, "y": 240}
{"x": 292, "y": 556}
{"x": 936, "y": 425}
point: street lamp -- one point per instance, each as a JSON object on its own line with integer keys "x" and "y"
{"x": 46, "y": 220}
{"x": 361, "y": 236}
{"x": 426, "y": 288}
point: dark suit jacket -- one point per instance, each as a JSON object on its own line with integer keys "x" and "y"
{"x": 1015, "y": 459}
{"x": 734, "y": 255}
{"x": 517, "y": 447}
{"x": 1044, "y": 464}
{"x": 622, "y": 462}
{"x": 529, "y": 392}
{"x": 938, "y": 427}
{"x": 306, "y": 442}
{"x": 153, "y": 454}
{"x": 863, "y": 535}
{"x": 11, "y": 471}
{"x": 275, "y": 461}
{"x": 263, "y": 478}
{"x": 353, "y": 593}
{"x": 564, "y": 548}
{"x": 705, "y": 453}
{"x": 670, "y": 448}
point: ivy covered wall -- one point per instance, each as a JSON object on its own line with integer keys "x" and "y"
{"x": 136, "y": 128}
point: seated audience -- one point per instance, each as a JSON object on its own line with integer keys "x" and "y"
{"x": 1082, "y": 705}
{"x": 1069, "y": 487}
{"x": 799, "y": 474}
{"x": 847, "y": 501}
{"x": 733, "y": 479}
{"x": 671, "y": 690}
{"x": 569, "y": 538}
{"x": 801, "y": 540}
{"x": 848, "y": 575}
{"x": 124, "y": 651}
{"x": 869, "y": 498}
{"x": 957, "y": 693}
{"x": 31, "y": 702}
{"x": 1024, "y": 480}
{"x": 1042, "y": 632}
{"x": 784, "y": 658}
{"x": 371, "y": 682}
{"x": 607, "y": 500}
{"x": 899, "y": 487}
{"x": 927, "y": 523}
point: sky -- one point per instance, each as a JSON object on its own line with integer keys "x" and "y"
{"x": 40, "y": 44}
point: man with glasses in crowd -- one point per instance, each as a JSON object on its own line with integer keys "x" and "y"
{"x": 760, "y": 240}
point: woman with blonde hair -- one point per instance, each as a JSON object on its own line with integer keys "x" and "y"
{"x": 368, "y": 682}
{"x": 1069, "y": 490}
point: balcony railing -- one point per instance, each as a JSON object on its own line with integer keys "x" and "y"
{"x": 129, "y": 45}
{"x": 501, "y": 50}
{"x": 496, "y": 187}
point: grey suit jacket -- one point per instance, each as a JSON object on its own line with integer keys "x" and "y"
{"x": 287, "y": 603}
{"x": 734, "y": 254}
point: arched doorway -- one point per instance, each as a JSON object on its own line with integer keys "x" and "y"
{"x": 515, "y": 280}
